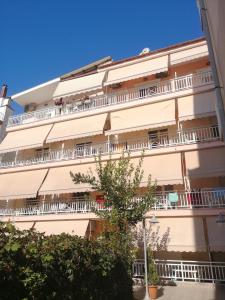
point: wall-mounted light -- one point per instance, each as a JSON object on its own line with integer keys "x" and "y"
{"x": 154, "y": 220}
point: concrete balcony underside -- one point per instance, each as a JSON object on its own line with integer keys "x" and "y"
{"x": 192, "y": 139}
{"x": 165, "y": 90}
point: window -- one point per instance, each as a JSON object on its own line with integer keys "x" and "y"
{"x": 158, "y": 138}
{"x": 82, "y": 196}
{"x": 32, "y": 201}
{"x": 42, "y": 154}
{"x": 148, "y": 91}
{"x": 83, "y": 149}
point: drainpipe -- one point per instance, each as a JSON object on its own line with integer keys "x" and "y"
{"x": 220, "y": 108}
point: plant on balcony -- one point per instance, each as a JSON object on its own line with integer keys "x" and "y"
{"x": 153, "y": 277}
{"x": 119, "y": 182}
{"x": 59, "y": 102}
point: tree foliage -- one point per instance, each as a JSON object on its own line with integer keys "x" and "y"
{"x": 35, "y": 266}
{"x": 119, "y": 182}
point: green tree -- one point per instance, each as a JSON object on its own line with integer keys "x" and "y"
{"x": 119, "y": 182}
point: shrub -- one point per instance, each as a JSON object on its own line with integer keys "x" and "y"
{"x": 153, "y": 277}
{"x": 35, "y": 266}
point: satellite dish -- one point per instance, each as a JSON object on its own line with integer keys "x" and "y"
{"x": 145, "y": 51}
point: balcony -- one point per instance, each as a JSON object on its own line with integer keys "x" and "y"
{"x": 178, "y": 270}
{"x": 164, "y": 87}
{"x": 187, "y": 137}
{"x": 186, "y": 200}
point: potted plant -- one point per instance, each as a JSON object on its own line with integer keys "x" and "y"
{"x": 153, "y": 277}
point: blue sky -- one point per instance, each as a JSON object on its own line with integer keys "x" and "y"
{"x": 41, "y": 40}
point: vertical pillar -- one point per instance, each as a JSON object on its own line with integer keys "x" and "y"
{"x": 206, "y": 236}
{"x": 62, "y": 150}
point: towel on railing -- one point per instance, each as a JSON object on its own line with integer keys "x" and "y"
{"x": 173, "y": 197}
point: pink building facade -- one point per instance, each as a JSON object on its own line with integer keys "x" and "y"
{"x": 161, "y": 101}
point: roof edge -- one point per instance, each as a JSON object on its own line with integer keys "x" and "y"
{"x": 171, "y": 47}
{"x": 86, "y": 67}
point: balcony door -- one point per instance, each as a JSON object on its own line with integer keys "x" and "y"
{"x": 83, "y": 149}
{"x": 158, "y": 138}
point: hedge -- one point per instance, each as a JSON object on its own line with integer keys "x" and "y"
{"x": 35, "y": 266}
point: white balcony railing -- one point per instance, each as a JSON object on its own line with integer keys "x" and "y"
{"x": 164, "y": 87}
{"x": 186, "y": 200}
{"x": 193, "y": 199}
{"x": 178, "y": 270}
{"x": 78, "y": 206}
{"x": 189, "y": 136}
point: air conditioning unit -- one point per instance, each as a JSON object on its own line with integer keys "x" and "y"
{"x": 161, "y": 75}
{"x": 116, "y": 85}
{"x": 30, "y": 107}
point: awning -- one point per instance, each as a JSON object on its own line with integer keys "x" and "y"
{"x": 165, "y": 169}
{"x": 216, "y": 234}
{"x": 77, "y": 128}
{"x": 189, "y": 54}
{"x": 143, "y": 117}
{"x": 21, "y": 185}
{"x": 59, "y": 181}
{"x": 179, "y": 234}
{"x": 25, "y": 139}
{"x": 138, "y": 69}
{"x": 41, "y": 93}
{"x": 79, "y": 85}
{"x": 74, "y": 227}
{"x": 205, "y": 163}
{"x": 197, "y": 106}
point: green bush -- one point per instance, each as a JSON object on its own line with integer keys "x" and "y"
{"x": 35, "y": 266}
{"x": 153, "y": 277}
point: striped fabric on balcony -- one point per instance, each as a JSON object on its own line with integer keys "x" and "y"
{"x": 143, "y": 117}
{"x": 82, "y": 127}
{"x": 197, "y": 106}
{"x": 59, "y": 181}
{"x": 205, "y": 163}
{"x": 25, "y": 139}
{"x": 79, "y": 85}
{"x": 178, "y": 56}
{"x": 138, "y": 69}
{"x": 21, "y": 185}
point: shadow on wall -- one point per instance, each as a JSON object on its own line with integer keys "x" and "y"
{"x": 205, "y": 169}
{"x": 219, "y": 292}
{"x": 154, "y": 238}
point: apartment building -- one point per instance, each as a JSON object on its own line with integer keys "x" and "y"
{"x": 161, "y": 101}
{"x": 212, "y": 20}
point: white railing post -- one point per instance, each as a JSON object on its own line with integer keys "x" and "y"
{"x": 182, "y": 271}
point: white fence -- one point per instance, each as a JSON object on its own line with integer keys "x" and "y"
{"x": 192, "y": 199}
{"x": 164, "y": 87}
{"x": 78, "y": 206}
{"x": 178, "y": 270}
{"x": 189, "y": 136}
{"x": 186, "y": 200}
